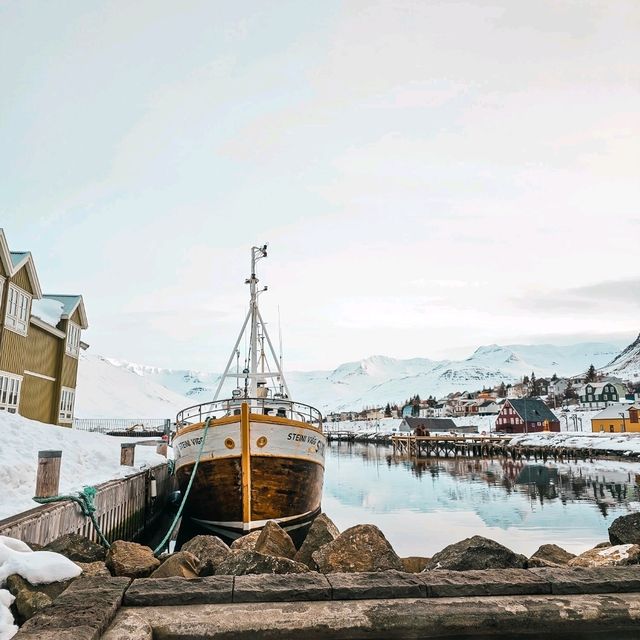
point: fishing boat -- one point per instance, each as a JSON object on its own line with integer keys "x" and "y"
{"x": 258, "y": 455}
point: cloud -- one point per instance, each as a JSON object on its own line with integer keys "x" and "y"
{"x": 598, "y": 297}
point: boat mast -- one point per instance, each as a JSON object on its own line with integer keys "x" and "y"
{"x": 256, "y": 254}
{"x": 255, "y": 321}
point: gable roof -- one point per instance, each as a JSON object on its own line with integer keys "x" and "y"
{"x": 614, "y": 411}
{"x": 66, "y": 305}
{"x": 432, "y": 424}
{"x": 21, "y": 259}
{"x": 534, "y": 409}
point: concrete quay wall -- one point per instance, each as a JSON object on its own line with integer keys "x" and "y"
{"x": 391, "y": 604}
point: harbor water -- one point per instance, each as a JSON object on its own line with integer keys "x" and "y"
{"x": 424, "y": 505}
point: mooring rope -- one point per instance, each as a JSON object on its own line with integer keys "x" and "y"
{"x": 86, "y": 500}
{"x": 160, "y": 547}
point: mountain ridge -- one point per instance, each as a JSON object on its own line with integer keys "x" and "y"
{"x": 379, "y": 379}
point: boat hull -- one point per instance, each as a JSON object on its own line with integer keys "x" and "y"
{"x": 252, "y": 469}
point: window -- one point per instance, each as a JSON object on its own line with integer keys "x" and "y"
{"x": 18, "y": 307}
{"x": 73, "y": 339}
{"x": 67, "y": 399}
{"x": 9, "y": 392}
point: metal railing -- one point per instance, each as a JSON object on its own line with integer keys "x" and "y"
{"x": 277, "y": 407}
{"x": 124, "y": 426}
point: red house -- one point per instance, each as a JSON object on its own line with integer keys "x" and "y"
{"x": 526, "y": 415}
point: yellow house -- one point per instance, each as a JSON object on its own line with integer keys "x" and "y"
{"x": 617, "y": 418}
{"x": 40, "y": 342}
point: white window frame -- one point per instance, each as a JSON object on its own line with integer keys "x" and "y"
{"x": 72, "y": 343}
{"x": 16, "y": 317}
{"x": 67, "y": 403}
{"x": 10, "y": 389}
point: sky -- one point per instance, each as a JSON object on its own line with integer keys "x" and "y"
{"x": 430, "y": 175}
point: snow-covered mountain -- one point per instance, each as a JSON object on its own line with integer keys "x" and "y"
{"x": 373, "y": 381}
{"x": 108, "y": 391}
{"x": 626, "y": 365}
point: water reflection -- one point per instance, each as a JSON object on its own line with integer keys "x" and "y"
{"x": 527, "y": 503}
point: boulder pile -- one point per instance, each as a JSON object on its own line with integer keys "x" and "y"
{"x": 359, "y": 549}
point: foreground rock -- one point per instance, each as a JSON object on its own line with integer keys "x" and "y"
{"x": 360, "y": 548}
{"x": 94, "y": 569}
{"x": 241, "y": 563}
{"x": 275, "y": 541}
{"x": 210, "y": 552}
{"x": 625, "y": 529}
{"x": 32, "y": 598}
{"x": 246, "y": 543}
{"x": 615, "y": 556}
{"x": 178, "y": 565}
{"x": 77, "y": 548}
{"x": 131, "y": 560}
{"x": 550, "y": 555}
{"x": 476, "y": 553}
{"x": 321, "y": 532}
{"x": 415, "y": 564}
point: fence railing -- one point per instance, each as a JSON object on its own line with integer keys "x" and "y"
{"x": 124, "y": 426}
{"x": 124, "y": 509}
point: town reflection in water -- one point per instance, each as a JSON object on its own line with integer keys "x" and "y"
{"x": 525, "y": 502}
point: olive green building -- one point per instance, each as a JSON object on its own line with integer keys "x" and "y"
{"x": 40, "y": 342}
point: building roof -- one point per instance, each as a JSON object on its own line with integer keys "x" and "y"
{"x": 614, "y": 411}
{"x": 68, "y": 305}
{"x": 431, "y": 424}
{"x": 534, "y": 409}
{"x": 21, "y": 259}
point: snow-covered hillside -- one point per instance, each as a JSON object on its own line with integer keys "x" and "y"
{"x": 380, "y": 379}
{"x": 108, "y": 391}
{"x": 627, "y": 364}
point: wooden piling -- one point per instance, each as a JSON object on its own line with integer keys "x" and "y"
{"x": 48, "y": 478}
{"x": 127, "y": 453}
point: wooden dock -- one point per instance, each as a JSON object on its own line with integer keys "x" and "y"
{"x": 448, "y": 446}
{"x": 124, "y": 509}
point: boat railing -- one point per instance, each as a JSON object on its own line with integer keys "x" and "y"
{"x": 277, "y": 407}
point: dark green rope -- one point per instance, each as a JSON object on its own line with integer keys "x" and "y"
{"x": 86, "y": 500}
{"x": 160, "y": 547}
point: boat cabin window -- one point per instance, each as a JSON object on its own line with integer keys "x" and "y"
{"x": 236, "y": 412}
{"x": 281, "y": 413}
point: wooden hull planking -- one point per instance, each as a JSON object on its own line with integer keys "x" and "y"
{"x": 253, "y": 468}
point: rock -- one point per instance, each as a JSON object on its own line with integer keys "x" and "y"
{"x": 77, "y": 548}
{"x": 360, "y": 548}
{"x": 241, "y": 563}
{"x": 321, "y": 532}
{"x": 550, "y": 555}
{"x": 94, "y": 569}
{"x": 275, "y": 541}
{"x": 181, "y": 564}
{"x": 414, "y": 564}
{"x": 476, "y": 553}
{"x": 484, "y": 582}
{"x": 131, "y": 560}
{"x": 376, "y": 585}
{"x": 625, "y": 529}
{"x": 32, "y": 598}
{"x": 281, "y": 588}
{"x": 210, "y": 552}
{"x": 246, "y": 543}
{"x": 616, "y": 556}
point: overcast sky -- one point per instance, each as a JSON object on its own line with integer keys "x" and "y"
{"x": 430, "y": 175}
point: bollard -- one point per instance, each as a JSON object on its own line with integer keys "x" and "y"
{"x": 127, "y": 453}
{"x": 162, "y": 449}
{"x": 48, "y": 478}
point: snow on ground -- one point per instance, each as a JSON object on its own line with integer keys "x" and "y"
{"x": 87, "y": 459}
{"x": 105, "y": 391}
{"x": 622, "y": 443}
{"x": 38, "y": 567}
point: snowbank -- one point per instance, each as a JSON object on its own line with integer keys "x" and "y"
{"x": 620, "y": 443}
{"x": 87, "y": 459}
{"x": 38, "y": 567}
